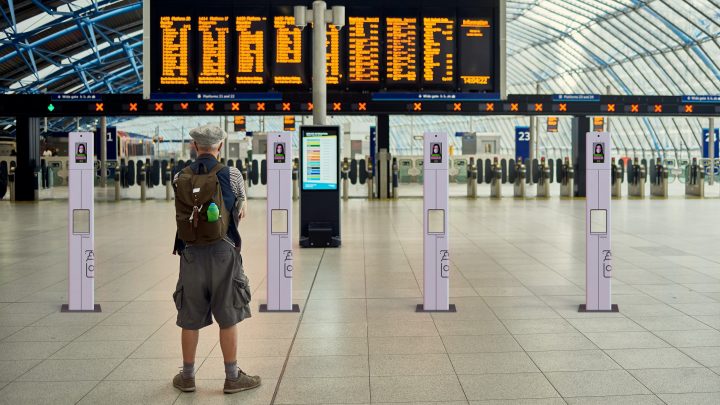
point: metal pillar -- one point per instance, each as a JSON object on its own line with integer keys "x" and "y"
{"x": 711, "y": 149}
{"x": 27, "y": 137}
{"x": 103, "y": 152}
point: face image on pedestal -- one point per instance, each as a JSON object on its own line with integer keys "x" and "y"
{"x": 279, "y": 156}
{"x": 436, "y": 153}
{"x": 598, "y": 152}
{"x": 81, "y": 152}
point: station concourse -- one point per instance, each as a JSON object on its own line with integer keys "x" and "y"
{"x": 437, "y": 210}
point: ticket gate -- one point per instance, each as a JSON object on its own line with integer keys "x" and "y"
{"x": 636, "y": 180}
{"x": 472, "y": 176}
{"x": 659, "y": 180}
{"x": 419, "y": 164}
{"x": 495, "y": 175}
{"x": 566, "y": 178}
{"x": 370, "y": 178}
{"x": 695, "y": 180}
{"x": 520, "y": 179}
{"x": 616, "y": 178}
{"x": 406, "y": 166}
{"x": 544, "y": 176}
{"x": 395, "y": 178}
{"x": 295, "y": 176}
{"x": 460, "y": 166}
{"x": 345, "y": 176}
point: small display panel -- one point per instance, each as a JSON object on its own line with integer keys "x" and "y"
{"x": 598, "y": 152}
{"x": 436, "y": 221}
{"x": 401, "y": 50}
{"x": 214, "y": 33}
{"x": 175, "y": 50}
{"x": 289, "y": 66}
{"x": 251, "y": 32}
{"x": 364, "y": 49}
{"x": 81, "y": 221}
{"x": 438, "y": 50}
{"x": 81, "y": 155}
{"x": 320, "y": 160}
{"x": 279, "y": 156}
{"x": 436, "y": 152}
{"x": 598, "y": 221}
{"x": 475, "y": 53}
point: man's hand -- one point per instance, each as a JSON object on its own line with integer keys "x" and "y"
{"x": 243, "y": 210}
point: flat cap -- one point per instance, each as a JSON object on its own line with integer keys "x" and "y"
{"x": 208, "y": 135}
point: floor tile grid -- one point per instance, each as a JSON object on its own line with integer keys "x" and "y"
{"x": 523, "y": 348}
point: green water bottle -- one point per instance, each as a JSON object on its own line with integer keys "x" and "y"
{"x": 213, "y": 212}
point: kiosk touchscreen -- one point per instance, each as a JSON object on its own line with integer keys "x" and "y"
{"x": 81, "y": 224}
{"x": 598, "y": 259}
{"x": 436, "y": 251}
{"x": 280, "y": 264}
{"x": 320, "y": 191}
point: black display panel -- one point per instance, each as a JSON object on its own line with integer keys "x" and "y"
{"x": 254, "y": 46}
{"x": 476, "y": 58}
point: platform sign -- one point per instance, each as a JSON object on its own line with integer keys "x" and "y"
{"x": 598, "y": 258}
{"x": 280, "y": 263}
{"x": 706, "y": 143}
{"x": 436, "y": 246}
{"x": 522, "y": 143}
{"x": 552, "y": 124}
{"x": 81, "y": 224}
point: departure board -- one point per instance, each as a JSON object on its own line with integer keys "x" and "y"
{"x": 401, "y": 50}
{"x": 364, "y": 49}
{"x": 333, "y": 71}
{"x": 253, "y": 46}
{"x": 438, "y": 50}
{"x": 176, "y": 51}
{"x": 251, "y": 34}
{"x": 475, "y": 53}
{"x": 214, "y": 35}
{"x": 288, "y": 63}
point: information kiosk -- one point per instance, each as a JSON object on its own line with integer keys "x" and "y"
{"x": 81, "y": 224}
{"x": 436, "y": 252}
{"x": 320, "y": 182}
{"x": 598, "y": 252}
{"x": 279, "y": 224}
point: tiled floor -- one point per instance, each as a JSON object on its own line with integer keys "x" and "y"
{"x": 517, "y": 279}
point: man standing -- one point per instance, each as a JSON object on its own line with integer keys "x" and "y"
{"x": 209, "y": 203}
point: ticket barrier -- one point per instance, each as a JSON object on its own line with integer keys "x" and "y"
{"x": 567, "y": 179}
{"x": 395, "y": 178}
{"x": 659, "y": 180}
{"x": 344, "y": 176}
{"x": 417, "y": 171}
{"x": 695, "y": 180}
{"x": 167, "y": 179}
{"x": 520, "y": 179}
{"x": 3, "y": 179}
{"x": 11, "y": 183}
{"x": 636, "y": 180}
{"x": 496, "y": 179}
{"x": 142, "y": 181}
{"x": 370, "y": 178}
{"x": 436, "y": 252}
{"x": 472, "y": 176}
{"x": 616, "y": 177}
{"x": 295, "y": 176}
{"x": 460, "y": 169}
{"x": 543, "y": 183}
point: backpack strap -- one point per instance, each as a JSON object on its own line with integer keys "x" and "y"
{"x": 216, "y": 169}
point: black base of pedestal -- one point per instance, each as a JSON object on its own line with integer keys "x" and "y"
{"x": 66, "y": 308}
{"x": 421, "y": 308}
{"x": 295, "y": 308}
{"x": 614, "y": 308}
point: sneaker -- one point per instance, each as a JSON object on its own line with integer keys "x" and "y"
{"x": 184, "y": 384}
{"x": 242, "y": 383}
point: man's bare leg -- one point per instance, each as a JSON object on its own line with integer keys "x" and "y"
{"x": 189, "y": 340}
{"x": 228, "y": 344}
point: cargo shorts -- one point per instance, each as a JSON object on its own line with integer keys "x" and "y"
{"x": 212, "y": 283}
